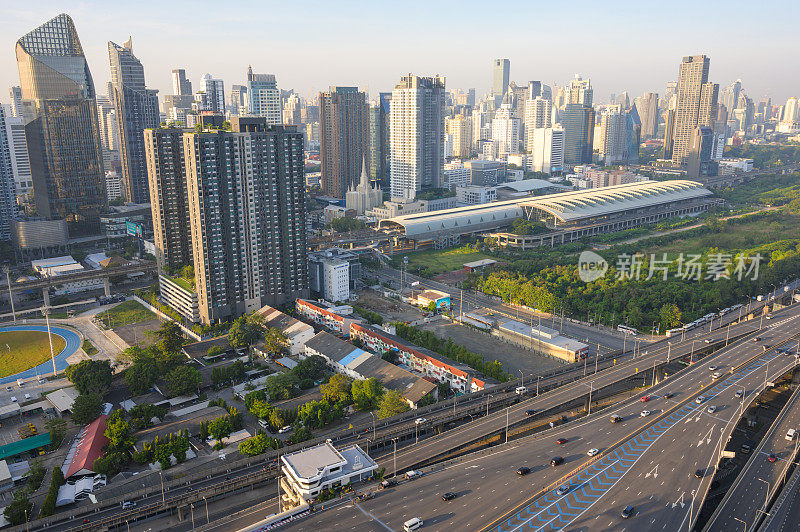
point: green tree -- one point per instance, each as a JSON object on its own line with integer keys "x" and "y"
{"x": 220, "y": 428}
{"x": 312, "y": 368}
{"x": 183, "y": 380}
{"x": 367, "y": 393}
{"x": 275, "y": 341}
{"x": 19, "y": 510}
{"x": 170, "y": 337}
{"x": 260, "y": 409}
{"x": 111, "y": 463}
{"x": 391, "y": 404}
{"x": 91, "y": 376}
{"x": 337, "y": 389}
{"x": 118, "y": 432}
{"x": 670, "y": 315}
{"x": 86, "y": 408}
{"x": 243, "y": 332}
{"x": 281, "y": 387}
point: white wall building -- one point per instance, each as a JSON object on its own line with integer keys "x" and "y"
{"x": 546, "y": 150}
{"x": 456, "y": 174}
{"x": 56, "y": 266}
{"x": 538, "y": 114}
{"x": 364, "y": 196}
{"x": 505, "y": 131}
{"x": 475, "y": 195}
{"x": 113, "y": 185}
{"x": 20, "y": 164}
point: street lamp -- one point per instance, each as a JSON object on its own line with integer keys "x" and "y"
{"x": 46, "y": 312}
{"x": 394, "y": 473}
{"x": 745, "y": 524}
{"x": 207, "y": 518}
{"x": 537, "y": 385}
{"x": 10, "y": 295}
{"x": 523, "y": 378}
{"x": 766, "y": 499}
{"x": 163, "y": 497}
{"x": 191, "y": 509}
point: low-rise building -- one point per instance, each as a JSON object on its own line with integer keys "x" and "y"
{"x": 52, "y": 268}
{"x": 541, "y": 339}
{"x": 310, "y": 471}
{"x": 296, "y": 332}
{"x": 336, "y": 318}
{"x": 458, "y": 376}
{"x": 735, "y": 166}
{"x": 329, "y": 276}
{"x": 87, "y": 447}
{"x": 424, "y": 298}
{"x": 114, "y": 222}
{"x": 475, "y": 195}
{"x": 180, "y": 295}
{"x": 356, "y": 363}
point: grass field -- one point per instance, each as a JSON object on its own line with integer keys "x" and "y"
{"x": 25, "y": 350}
{"x": 440, "y": 260}
{"x": 126, "y": 313}
{"x": 742, "y": 235}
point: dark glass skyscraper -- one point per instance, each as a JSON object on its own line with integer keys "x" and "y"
{"x": 343, "y": 138}
{"x": 61, "y": 126}
{"x": 379, "y": 154}
{"x": 578, "y": 123}
{"x": 137, "y": 110}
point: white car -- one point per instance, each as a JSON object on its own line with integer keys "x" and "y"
{"x": 700, "y": 400}
{"x": 716, "y": 375}
{"x": 13, "y": 399}
{"x": 593, "y": 452}
{"x": 711, "y": 409}
{"x": 739, "y": 393}
{"x": 645, "y": 413}
{"x": 712, "y": 368}
{"x": 420, "y": 420}
{"x": 285, "y": 429}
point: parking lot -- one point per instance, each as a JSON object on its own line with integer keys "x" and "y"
{"x": 490, "y": 347}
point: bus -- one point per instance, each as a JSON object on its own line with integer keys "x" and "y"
{"x": 674, "y": 332}
{"x": 627, "y": 330}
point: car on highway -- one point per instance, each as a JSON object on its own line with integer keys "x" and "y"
{"x": 388, "y": 483}
{"x": 8, "y": 388}
{"x": 523, "y": 471}
{"x": 592, "y": 452}
{"x": 712, "y": 368}
{"x": 449, "y": 496}
{"x": 616, "y": 419}
{"x": 709, "y": 340}
{"x": 668, "y": 395}
{"x": 700, "y": 400}
{"x": 556, "y": 460}
{"x": 412, "y": 524}
{"x": 757, "y": 339}
{"x": 699, "y": 473}
{"x": 716, "y": 375}
{"x": 411, "y": 475}
{"x": 561, "y": 441}
{"x": 563, "y": 490}
{"x": 128, "y": 504}
{"x": 738, "y": 393}
{"x": 521, "y": 390}
{"x": 771, "y": 457}
{"x": 13, "y": 399}
{"x": 645, "y": 413}
{"x": 627, "y": 512}
{"x": 711, "y": 409}
{"x": 530, "y": 412}
{"x": 365, "y": 496}
{"x": 420, "y": 420}
{"x": 645, "y": 398}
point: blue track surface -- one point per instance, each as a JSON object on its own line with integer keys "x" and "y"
{"x": 554, "y": 512}
{"x": 73, "y": 344}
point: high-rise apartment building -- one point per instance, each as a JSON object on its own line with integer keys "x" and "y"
{"x": 417, "y": 135}
{"x": 696, "y": 104}
{"x": 538, "y": 114}
{"x": 61, "y": 126}
{"x": 211, "y": 96}
{"x": 506, "y": 131}
{"x": 291, "y": 110}
{"x": 379, "y": 161}
{"x": 20, "y": 164}
{"x": 169, "y": 202}
{"x": 344, "y": 128}
{"x": 137, "y": 109}
{"x": 7, "y": 192}
{"x": 181, "y": 86}
{"x": 790, "y": 116}
{"x": 730, "y": 95}
{"x": 15, "y": 94}
{"x": 617, "y": 136}
{"x": 700, "y": 159}
{"x": 238, "y": 100}
{"x": 246, "y": 195}
{"x": 500, "y": 76}
{"x": 578, "y": 123}
{"x": 263, "y": 96}
{"x": 459, "y": 127}
{"x": 546, "y": 149}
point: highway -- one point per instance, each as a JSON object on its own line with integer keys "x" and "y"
{"x": 655, "y": 471}
{"x": 784, "y": 515}
{"x": 486, "y": 482}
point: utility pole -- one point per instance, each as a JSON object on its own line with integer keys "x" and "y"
{"x": 46, "y": 312}
{"x": 10, "y": 294}
{"x": 507, "y": 423}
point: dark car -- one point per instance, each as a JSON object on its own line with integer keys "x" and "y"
{"x": 557, "y": 460}
{"x": 668, "y": 395}
{"x": 771, "y": 457}
{"x": 530, "y": 412}
{"x": 699, "y": 473}
{"x": 563, "y": 490}
{"x": 627, "y": 512}
{"x": 449, "y": 496}
{"x": 561, "y": 441}
{"x": 523, "y": 470}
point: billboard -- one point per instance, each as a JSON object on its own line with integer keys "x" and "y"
{"x": 133, "y": 229}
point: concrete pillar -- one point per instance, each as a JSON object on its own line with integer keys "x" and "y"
{"x": 107, "y": 286}
{"x": 46, "y": 296}
{"x": 182, "y": 511}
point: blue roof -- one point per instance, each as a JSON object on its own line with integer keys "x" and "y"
{"x": 354, "y": 354}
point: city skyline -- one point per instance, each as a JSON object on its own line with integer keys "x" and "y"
{"x": 330, "y": 48}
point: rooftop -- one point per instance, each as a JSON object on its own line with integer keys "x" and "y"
{"x": 89, "y": 447}
{"x": 310, "y": 462}
{"x": 21, "y": 446}
{"x": 280, "y": 320}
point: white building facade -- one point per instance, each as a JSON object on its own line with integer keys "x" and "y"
{"x": 546, "y": 150}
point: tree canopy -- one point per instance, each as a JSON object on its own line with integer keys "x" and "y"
{"x": 91, "y": 376}
{"x": 86, "y": 408}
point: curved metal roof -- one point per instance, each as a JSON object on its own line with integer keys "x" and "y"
{"x": 567, "y": 206}
{"x": 571, "y": 206}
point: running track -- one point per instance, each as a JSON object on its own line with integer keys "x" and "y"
{"x": 73, "y": 343}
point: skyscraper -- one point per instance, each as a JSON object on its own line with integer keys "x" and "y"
{"x": 169, "y": 203}
{"x": 61, "y": 126}
{"x": 580, "y": 91}
{"x": 379, "y": 162}
{"x": 505, "y": 131}
{"x": 211, "y": 96}
{"x": 6, "y": 181}
{"x": 578, "y": 123}
{"x": 500, "y": 77}
{"x": 137, "y": 109}
{"x": 15, "y": 93}
{"x": 700, "y": 159}
{"x": 264, "y": 98}
{"x": 291, "y": 110}
{"x": 647, "y": 107}
{"x": 618, "y": 135}
{"x": 546, "y": 149}
{"x": 20, "y": 164}
{"x": 343, "y": 143}
{"x": 181, "y": 86}
{"x": 696, "y": 104}
{"x": 459, "y": 127}
{"x": 538, "y": 113}
{"x": 238, "y": 100}
{"x": 246, "y": 195}
{"x": 417, "y": 135}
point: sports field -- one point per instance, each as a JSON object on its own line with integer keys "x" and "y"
{"x": 21, "y": 350}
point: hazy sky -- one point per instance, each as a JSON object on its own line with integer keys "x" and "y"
{"x": 633, "y": 46}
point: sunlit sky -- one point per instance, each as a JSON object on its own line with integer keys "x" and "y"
{"x": 633, "y": 46}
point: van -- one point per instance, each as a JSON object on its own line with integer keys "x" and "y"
{"x": 411, "y": 475}
{"x": 616, "y": 419}
{"x": 263, "y": 424}
{"x": 791, "y": 435}
{"x": 412, "y": 524}
{"x": 521, "y": 390}
{"x": 285, "y": 429}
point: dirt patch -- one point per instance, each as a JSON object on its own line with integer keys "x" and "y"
{"x": 453, "y": 277}
{"x": 390, "y": 309}
{"x": 139, "y": 333}
{"x": 490, "y": 347}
